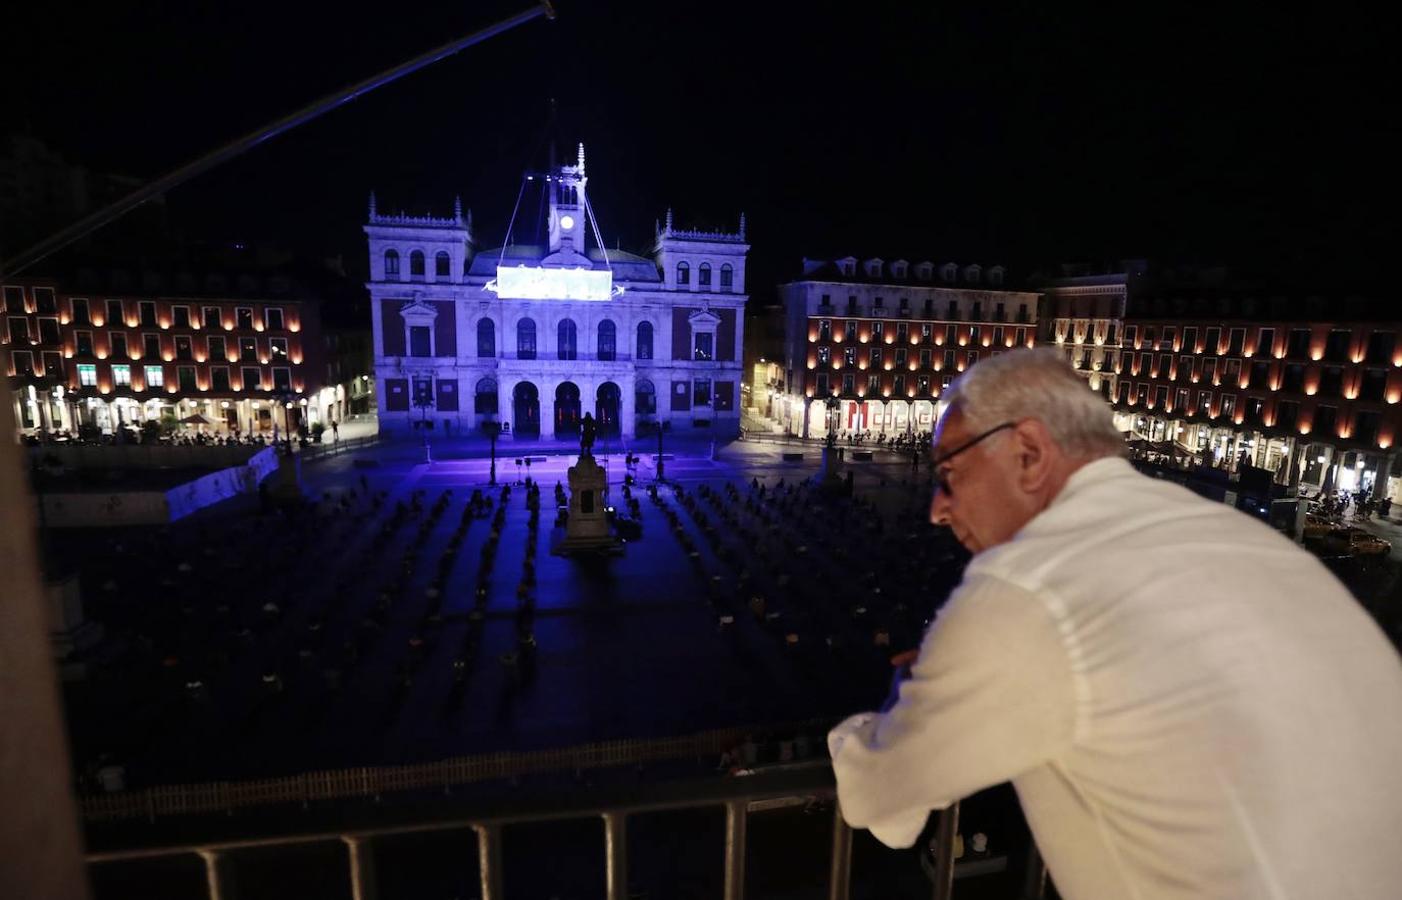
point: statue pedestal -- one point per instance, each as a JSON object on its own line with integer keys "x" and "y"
{"x": 587, "y": 530}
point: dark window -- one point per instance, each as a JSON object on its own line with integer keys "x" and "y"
{"x": 1325, "y": 421}
{"x": 282, "y": 379}
{"x": 442, "y": 265}
{"x": 922, "y": 385}
{"x": 849, "y": 330}
{"x": 875, "y": 361}
{"x": 1236, "y": 341}
{"x": 272, "y": 318}
{"x": 1381, "y": 345}
{"x": 824, "y": 356}
{"x": 701, "y": 392}
{"x": 1260, "y": 375}
{"x": 898, "y": 385}
{"x": 49, "y": 334}
{"x": 80, "y": 311}
{"x": 218, "y": 352}
{"x": 147, "y": 310}
{"x": 1190, "y": 340}
{"x": 704, "y": 348}
{"x": 219, "y": 379}
{"x": 525, "y": 339}
{"x": 277, "y": 350}
{"x": 248, "y": 350}
{"x": 822, "y": 387}
{"x": 1151, "y": 337}
{"x": 727, "y": 278}
{"x": 645, "y": 340}
{"x": 1298, "y": 347}
{"x": 45, "y": 302}
{"x": 644, "y": 398}
{"x": 1227, "y": 406}
{"x": 902, "y": 332}
{"x": 1373, "y": 386}
{"x": 849, "y": 384}
{"x": 416, "y": 264}
{"x": 1212, "y": 341}
{"x": 567, "y": 340}
{"x": 851, "y": 305}
{"x": 183, "y": 348}
{"x": 1160, "y": 398}
{"x": 703, "y": 275}
{"x": 151, "y": 347}
{"x": 243, "y": 318}
{"x": 925, "y": 359}
{"x": 485, "y": 401}
{"x": 1122, "y": 393}
{"x": 83, "y": 339}
{"x": 252, "y": 378}
{"x": 486, "y": 338}
{"x": 683, "y": 273}
{"x": 1294, "y": 380}
{"x": 878, "y": 331}
{"x": 392, "y": 264}
{"x": 1287, "y": 414}
{"x": 849, "y": 356}
{"x": 1330, "y": 380}
{"x": 1365, "y": 426}
{"x": 608, "y": 340}
{"x": 185, "y": 375}
{"x": 180, "y": 317}
{"x": 1336, "y": 347}
{"x": 23, "y": 363}
{"x": 420, "y": 340}
{"x": 1265, "y": 342}
{"x": 53, "y": 365}
{"x": 948, "y": 360}
{"x": 213, "y": 318}
{"x": 998, "y": 336}
{"x": 115, "y": 315}
{"x": 901, "y": 356}
{"x": 116, "y": 340}
{"x": 12, "y": 300}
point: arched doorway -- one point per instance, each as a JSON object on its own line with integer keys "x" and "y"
{"x": 606, "y": 409}
{"x": 525, "y": 405}
{"x": 567, "y": 410}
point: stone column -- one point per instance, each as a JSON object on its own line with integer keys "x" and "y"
{"x": 626, "y": 412}
{"x": 547, "y": 408}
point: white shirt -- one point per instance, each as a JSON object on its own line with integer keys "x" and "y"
{"x": 1188, "y": 705}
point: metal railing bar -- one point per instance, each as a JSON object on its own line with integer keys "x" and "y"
{"x": 489, "y": 862}
{"x": 795, "y": 781}
{"x": 736, "y": 818}
{"x": 218, "y": 875}
{"x": 944, "y": 857}
{"x": 361, "y": 853}
{"x": 616, "y": 855}
{"x": 840, "y": 880}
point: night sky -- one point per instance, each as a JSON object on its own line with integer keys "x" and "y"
{"x": 1028, "y": 135}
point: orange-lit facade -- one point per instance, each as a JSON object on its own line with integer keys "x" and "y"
{"x": 108, "y": 361}
{"x": 1296, "y": 397}
{"x": 887, "y": 338}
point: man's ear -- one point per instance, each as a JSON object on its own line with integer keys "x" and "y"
{"x": 1036, "y": 452}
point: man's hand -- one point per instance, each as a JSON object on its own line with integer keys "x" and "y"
{"x": 900, "y": 664}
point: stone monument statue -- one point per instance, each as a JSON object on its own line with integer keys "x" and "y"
{"x": 587, "y": 530}
{"x": 587, "y": 432}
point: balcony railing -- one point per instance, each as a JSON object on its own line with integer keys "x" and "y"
{"x": 614, "y": 805}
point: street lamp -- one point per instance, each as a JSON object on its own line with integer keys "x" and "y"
{"x": 833, "y": 405}
{"x": 493, "y": 431}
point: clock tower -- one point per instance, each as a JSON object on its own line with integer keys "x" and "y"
{"x": 567, "y": 214}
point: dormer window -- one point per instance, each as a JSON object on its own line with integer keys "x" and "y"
{"x": 972, "y": 273}
{"x": 924, "y": 271}
{"x": 898, "y": 270}
{"x": 873, "y": 268}
{"x": 949, "y": 272}
{"x": 995, "y": 275}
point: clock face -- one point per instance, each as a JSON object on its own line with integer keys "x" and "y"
{"x": 567, "y": 222}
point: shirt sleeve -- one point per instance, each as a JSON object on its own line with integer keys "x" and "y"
{"x": 992, "y": 695}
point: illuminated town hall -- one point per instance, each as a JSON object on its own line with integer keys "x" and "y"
{"x": 535, "y": 335}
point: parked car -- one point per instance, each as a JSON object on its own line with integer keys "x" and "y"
{"x": 1356, "y": 542}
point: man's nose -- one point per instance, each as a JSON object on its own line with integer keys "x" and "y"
{"x": 939, "y": 508}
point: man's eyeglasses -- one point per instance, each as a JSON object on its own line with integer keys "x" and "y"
{"x": 942, "y": 478}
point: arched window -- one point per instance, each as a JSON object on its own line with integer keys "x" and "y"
{"x": 416, "y": 264}
{"x": 442, "y": 265}
{"x": 392, "y": 264}
{"x": 644, "y": 340}
{"x": 608, "y": 340}
{"x": 683, "y": 273}
{"x": 525, "y": 339}
{"x": 644, "y": 398}
{"x": 486, "y": 337}
{"x": 703, "y": 276}
{"x": 567, "y": 340}
{"x": 727, "y": 277}
{"x": 486, "y": 400}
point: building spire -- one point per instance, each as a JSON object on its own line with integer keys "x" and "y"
{"x": 668, "y": 227}
{"x": 581, "y": 158}
{"x": 742, "y": 226}
{"x": 372, "y": 204}
{"x": 457, "y": 209}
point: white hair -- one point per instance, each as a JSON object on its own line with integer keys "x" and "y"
{"x": 1037, "y": 384}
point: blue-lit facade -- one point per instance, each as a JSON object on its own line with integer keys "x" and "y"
{"x": 533, "y": 336}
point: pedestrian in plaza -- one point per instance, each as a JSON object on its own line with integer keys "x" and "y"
{"x": 335, "y": 431}
{"x": 1187, "y": 703}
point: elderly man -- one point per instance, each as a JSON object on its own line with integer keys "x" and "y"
{"x": 1187, "y": 704}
